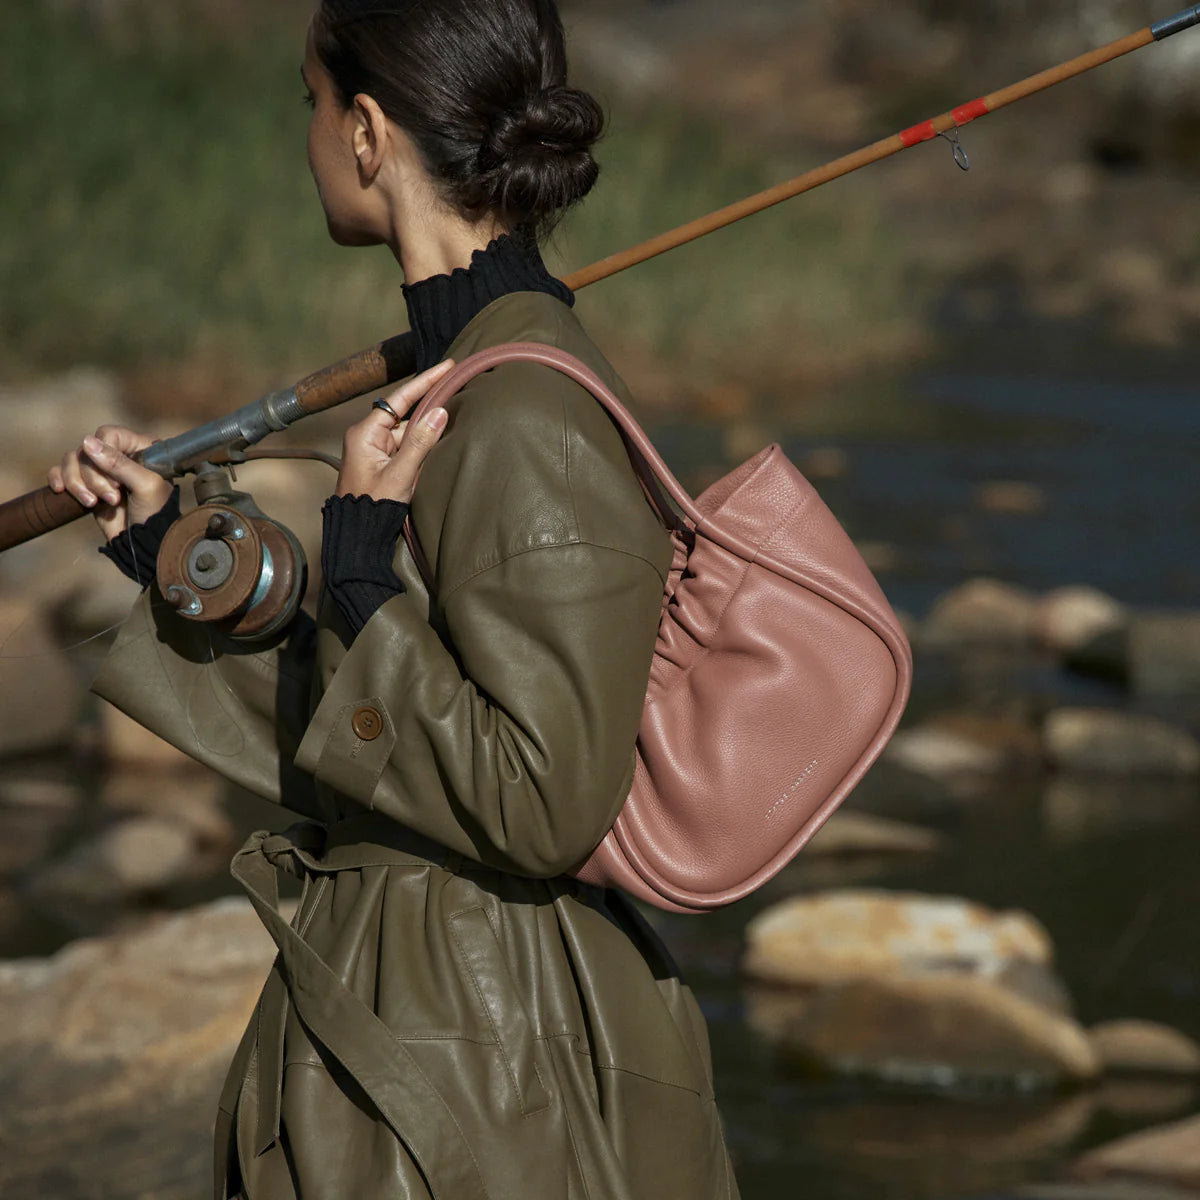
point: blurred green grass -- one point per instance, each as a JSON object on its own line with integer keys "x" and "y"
{"x": 158, "y": 209}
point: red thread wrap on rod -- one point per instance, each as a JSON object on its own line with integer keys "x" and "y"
{"x": 924, "y": 132}
{"x": 968, "y": 112}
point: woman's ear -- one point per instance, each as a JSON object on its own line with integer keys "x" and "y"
{"x": 369, "y": 137}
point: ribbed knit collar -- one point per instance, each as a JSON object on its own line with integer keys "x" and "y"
{"x": 440, "y": 307}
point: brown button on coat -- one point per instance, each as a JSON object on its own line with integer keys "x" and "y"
{"x": 449, "y": 1015}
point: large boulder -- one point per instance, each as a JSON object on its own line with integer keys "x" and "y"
{"x": 1168, "y": 1155}
{"x": 112, "y": 1053}
{"x": 1105, "y": 740}
{"x": 848, "y": 934}
{"x": 1068, "y": 619}
{"x": 981, "y": 610}
{"x": 938, "y": 1028}
{"x": 941, "y": 753}
{"x": 133, "y": 859}
{"x": 961, "y": 749}
{"x": 1145, "y": 1047}
{"x": 848, "y": 833}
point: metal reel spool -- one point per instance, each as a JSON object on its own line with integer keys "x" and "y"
{"x": 226, "y": 564}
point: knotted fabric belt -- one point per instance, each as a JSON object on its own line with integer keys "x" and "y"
{"x": 332, "y": 1014}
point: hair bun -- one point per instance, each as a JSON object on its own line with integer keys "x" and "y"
{"x": 536, "y": 157}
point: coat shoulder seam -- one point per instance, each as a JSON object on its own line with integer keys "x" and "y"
{"x": 549, "y": 546}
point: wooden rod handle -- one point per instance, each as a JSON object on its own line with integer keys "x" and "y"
{"x": 367, "y": 371}
{"x": 35, "y": 513}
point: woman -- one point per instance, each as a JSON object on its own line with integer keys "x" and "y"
{"x": 450, "y": 1014}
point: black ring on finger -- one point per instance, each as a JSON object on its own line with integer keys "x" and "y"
{"x": 384, "y": 406}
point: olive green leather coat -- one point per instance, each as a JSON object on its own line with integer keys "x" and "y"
{"x": 449, "y": 1014}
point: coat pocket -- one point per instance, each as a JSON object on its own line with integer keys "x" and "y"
{"x": 483, "y": 958}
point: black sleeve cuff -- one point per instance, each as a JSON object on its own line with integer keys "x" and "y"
{"x": 357, "y": 546}
{"x": 136, "y": 550}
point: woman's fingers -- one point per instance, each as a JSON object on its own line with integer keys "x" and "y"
{"x": 419, "y": 438}
{"x": 148, "y": 492}
{"x": 374, "y": 461}
{"x": 72, "y": 480}
{"x": 405, "y": 396}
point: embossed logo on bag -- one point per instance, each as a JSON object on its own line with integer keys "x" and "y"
{"x": 812, "y": 766}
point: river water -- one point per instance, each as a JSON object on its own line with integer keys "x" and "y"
{"x": 1111, "y": 440}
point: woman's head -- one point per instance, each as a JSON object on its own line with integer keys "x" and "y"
{"x": 479, "y": 87}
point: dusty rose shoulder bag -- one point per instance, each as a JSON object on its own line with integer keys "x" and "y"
{"x": 779, "y": 672}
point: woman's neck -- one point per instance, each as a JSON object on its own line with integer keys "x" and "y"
{"x": 428, "y": 247}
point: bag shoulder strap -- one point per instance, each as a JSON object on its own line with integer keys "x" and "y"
{"x": 652, "y": 471}
{"x": 646, "y": 459}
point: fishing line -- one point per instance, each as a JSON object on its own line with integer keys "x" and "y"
{"x": 87, "y": 641}
{"x": 191, "y": 702}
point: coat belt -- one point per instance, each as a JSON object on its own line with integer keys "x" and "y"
{"x": 405, "y": 1097}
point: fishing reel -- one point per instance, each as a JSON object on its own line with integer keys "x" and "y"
{"x": 227, "y": 564}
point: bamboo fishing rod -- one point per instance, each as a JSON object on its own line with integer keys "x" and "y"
{"x": 391, "y": 360}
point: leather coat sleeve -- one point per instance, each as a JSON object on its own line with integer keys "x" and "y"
{"x": 237, "y": 709}
{"x": 516, "y": 748}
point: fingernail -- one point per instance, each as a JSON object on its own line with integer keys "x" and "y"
{"x": 113, "y": 498}
{"x": 93, "y": 445}
{"x": 88, "y": 499}
{"x": 437, "y": 418}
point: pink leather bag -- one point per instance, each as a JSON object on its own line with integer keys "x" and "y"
{"x": 779, "y": 673}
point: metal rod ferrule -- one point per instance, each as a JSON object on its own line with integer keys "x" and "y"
{"x": 1176, "y": 24}
{"x": 245, "y": 427}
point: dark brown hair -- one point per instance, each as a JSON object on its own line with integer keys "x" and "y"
{"x": 480, "y": 86}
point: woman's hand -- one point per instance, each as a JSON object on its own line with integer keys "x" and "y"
{"x": 102, "y": 476}
{"x": 381, "y": 459}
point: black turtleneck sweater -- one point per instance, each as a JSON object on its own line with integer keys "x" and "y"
{"x": 360, "y": 534}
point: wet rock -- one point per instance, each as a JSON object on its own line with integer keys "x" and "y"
{"x": 1168, "y": 1155}
{"x": 847, "y": 833}
{"x": 125, "y": 862}
{"x": 1164, "y": 654}
{"x": 939, "y": 1029}
{"x": 1148, "y": 1099}
{"x": 942, "y": 753}
{"x": 973, "y": 1149}
{"x": 1145, "y": 1047}
{"x": 1010, "y": 497}
{"x": 33, "y": 814}
{"x": 857, "y": 933}
{"x": 126, "y": 743}
{"x": 1104, "y": 740}
{"x": 1069, "y": 618}
{"x": 1083, "y": 806}
{"x": 112, "y": 1053}
{"x": 1039, "y": 983}
{"x": 980, "y": 610}
{"x": 190, "y": 799}
{"x": 40, "y": 691}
